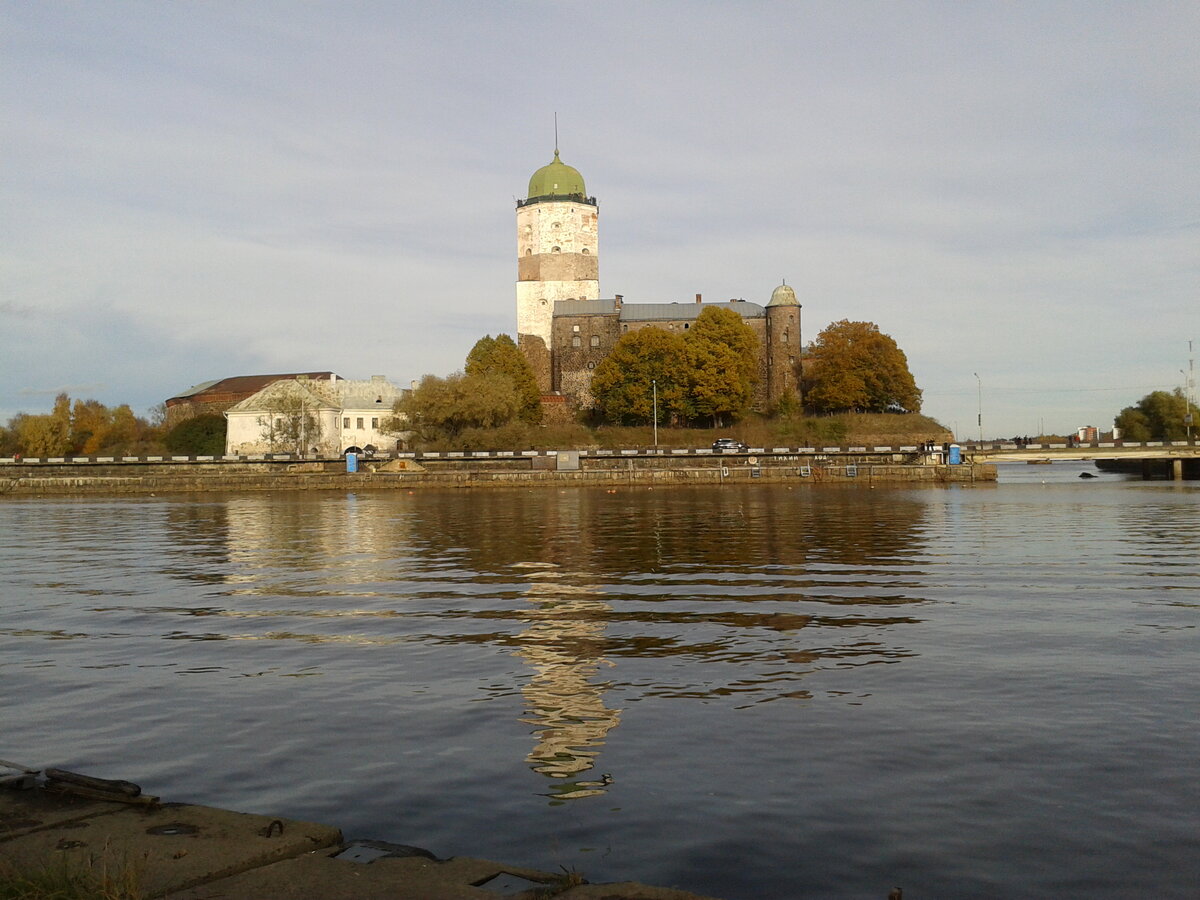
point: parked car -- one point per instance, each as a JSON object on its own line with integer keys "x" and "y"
{"x": 722, "y": 445}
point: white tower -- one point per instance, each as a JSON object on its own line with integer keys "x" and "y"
{"x": 557, "y": 256}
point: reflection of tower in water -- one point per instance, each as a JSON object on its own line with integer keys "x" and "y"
{"x": 564, "y": 644}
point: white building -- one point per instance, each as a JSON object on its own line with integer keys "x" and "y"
{"x": 313, "y": 418}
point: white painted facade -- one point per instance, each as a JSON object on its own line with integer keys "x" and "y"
{"x": 314, "y": 418}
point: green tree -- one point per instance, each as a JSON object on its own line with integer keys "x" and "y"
{"x": 198, "y": 436}
{"x": 501, "y": 356}
{"x": 440, "y": 408}
{"x": 853, "y": 366}
{"x": 722, "y": 355}
{"x": 623, "y": 383}
{"x": 1159, "y": 416}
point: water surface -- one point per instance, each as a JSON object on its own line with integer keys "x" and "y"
{"x": 750, "y": 691}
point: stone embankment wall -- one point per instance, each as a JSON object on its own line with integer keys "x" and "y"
{"x": 25, "y": 479}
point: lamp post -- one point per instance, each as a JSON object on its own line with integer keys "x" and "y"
{"x": 654, "y": 387}
{"x": 979, "y": 418}
{"x": 1189, "y": 391}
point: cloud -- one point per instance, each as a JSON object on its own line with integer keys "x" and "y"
{"x": 226, "y": 188}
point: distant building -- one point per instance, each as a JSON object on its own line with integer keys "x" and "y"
{"x": 212, "y": 397}
{"x": 566, "y": 330}
{"x": 319, "y": 417}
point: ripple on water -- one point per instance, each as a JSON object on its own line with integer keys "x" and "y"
{"x": 748, "y": 692}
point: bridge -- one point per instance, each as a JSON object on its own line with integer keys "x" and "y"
{"x": 1178, "y": 458}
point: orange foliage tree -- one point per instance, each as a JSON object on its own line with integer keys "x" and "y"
{"x": 854, "y": 367}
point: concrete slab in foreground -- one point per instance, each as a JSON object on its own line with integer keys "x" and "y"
{"x": 185, "y": 852}
{"x": 172, "y": 846}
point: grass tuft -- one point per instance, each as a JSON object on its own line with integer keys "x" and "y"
{"x": 92, "y": 879}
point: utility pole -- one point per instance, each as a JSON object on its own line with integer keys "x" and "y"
{"x": 654, "y": 386}
{"x": 979, "y": 384}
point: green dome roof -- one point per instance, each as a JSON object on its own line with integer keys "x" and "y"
{"x": 557, "y": 179}
{"x": 783, "y": 296}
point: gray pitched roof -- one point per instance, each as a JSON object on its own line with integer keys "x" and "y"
{"x": 668, "y": 312}
{"x": 585, "y": 307}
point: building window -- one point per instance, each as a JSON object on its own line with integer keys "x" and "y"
{"x": 528, "y": 252}
{"x": 686, "y": 325}
{"x": 574, "y": 327}
{"x": 360, "y": 424}
{"x": 556, "y": 249}
{"x": 576, "y": 341}
{"x": 591, "y": 365}
{"x": 346, "y": 423}
{"x": 783, "y": 338}
{"x": 595, "y": 340}
{"x": 374, "y": 423}
{"x": 584, "y": 251}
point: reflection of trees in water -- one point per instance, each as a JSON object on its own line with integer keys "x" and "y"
{"x": 564, "y": 644}
{"x": 741, "y": 592}
{"x": 198, "y": 540}
{"x": 640, "y": 530}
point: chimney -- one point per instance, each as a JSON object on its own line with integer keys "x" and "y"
{"x": 619, "y": 299}
{"x": 699, "y": 299}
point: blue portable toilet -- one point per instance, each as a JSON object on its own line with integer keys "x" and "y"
{"x": 351, "y": 462}
{"x": 955, "y": 455}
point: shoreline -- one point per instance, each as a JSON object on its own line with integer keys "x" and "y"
{"x": 179, "y": 851}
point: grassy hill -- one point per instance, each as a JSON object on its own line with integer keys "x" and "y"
{"x": 857, "y": 429}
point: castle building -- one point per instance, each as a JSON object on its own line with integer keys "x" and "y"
{"x": 565, "y": 329}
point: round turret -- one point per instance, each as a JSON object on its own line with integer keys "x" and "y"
{"x": 556, "y": 180}
{"x": 783, "y": 296}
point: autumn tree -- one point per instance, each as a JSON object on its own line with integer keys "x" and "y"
{"x": 439, "y": 408}
{"x": 722, "y": 353}
{"x": 86, "y": 428}
{"x": 623, "y": 384}
{"x": 853, "y": 366}
{"x": 501, "y": 356}
{"x": 1159, "y": 416}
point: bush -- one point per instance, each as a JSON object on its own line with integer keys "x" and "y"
{"x": 199, "y": 436}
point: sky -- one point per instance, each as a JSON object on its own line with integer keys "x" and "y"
{"x": 194, "y": 190}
